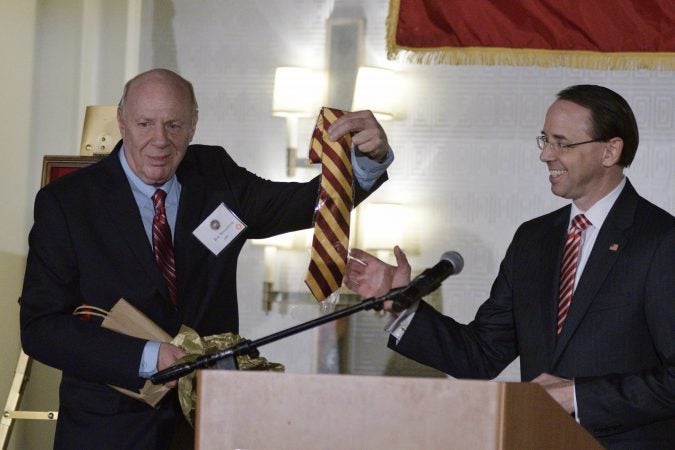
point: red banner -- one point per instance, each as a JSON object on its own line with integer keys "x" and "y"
{"x": 619, "y": 34}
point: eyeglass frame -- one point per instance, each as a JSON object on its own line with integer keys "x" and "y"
{"x": 542, "y": 141}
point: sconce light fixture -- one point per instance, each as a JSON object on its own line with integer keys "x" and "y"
{"x": 297, "y": 240}
{"x": 100, "y": 132}
{"x": 298, "y": 92}
{"x": 377, "y": 228}
{"x": 377, "y": 90}
{"x": 381, "y": 226}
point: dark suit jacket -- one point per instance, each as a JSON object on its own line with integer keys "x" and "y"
{"x": 88, "y": 246}
{"x": 618, "y": 342}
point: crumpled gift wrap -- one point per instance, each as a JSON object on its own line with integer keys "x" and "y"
{"x": 126, "y": 319}
{"x": 196, "y": 346}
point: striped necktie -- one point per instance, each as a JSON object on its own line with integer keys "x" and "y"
{"x": 568, "y": 267}
{"x": 162, "y": 245}
{"x": 331, "y": 218}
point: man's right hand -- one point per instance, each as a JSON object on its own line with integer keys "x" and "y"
{"x": 168, "y": 355}
{"x": 370, "y": 277}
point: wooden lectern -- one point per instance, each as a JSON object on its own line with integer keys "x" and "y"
{"x": 263, "y": 410}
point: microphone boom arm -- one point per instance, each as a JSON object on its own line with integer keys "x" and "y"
{"x": 248, "y": 347}
{"x": 402, "y": 297}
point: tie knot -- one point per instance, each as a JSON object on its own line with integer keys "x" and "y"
{"x": 158, "y": 198}
{"x": 580, "y": 222}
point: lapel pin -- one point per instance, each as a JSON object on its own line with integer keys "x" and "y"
{"x": 614, "y": 247}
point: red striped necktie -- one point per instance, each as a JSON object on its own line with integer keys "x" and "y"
{"x": 331, "y": 219}
{"x": 162, "y": 244}
{"x": 568, "y": 267}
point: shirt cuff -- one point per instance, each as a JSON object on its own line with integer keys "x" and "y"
{"x": 399, "y": 324}
{"x": 149, "y": 359}
{"x": 366, "y": 170}
{"x": 576, "y": 408}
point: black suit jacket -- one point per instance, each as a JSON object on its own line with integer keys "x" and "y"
{"x": 88, "y": 246}
{"x": 618, "y": 342}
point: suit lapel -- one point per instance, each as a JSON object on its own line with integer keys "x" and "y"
{"x": 194, "y": 205}
{"x": 612, "y": 237}
{"x": 125, "y": 217}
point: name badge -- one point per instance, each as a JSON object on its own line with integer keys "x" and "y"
{"x": 219, "y": 229}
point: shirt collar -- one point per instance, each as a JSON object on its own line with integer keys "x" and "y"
{"x": 146, "y": 189}
{"x": 597, "y": 213}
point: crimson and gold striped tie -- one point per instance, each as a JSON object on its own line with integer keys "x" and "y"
{"x": 162, "y": 244}
{"x": 331, "y": 219}
{"x": 568, "y": 267}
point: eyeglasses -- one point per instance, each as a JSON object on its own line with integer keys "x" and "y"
{"x": 542, "y": 142}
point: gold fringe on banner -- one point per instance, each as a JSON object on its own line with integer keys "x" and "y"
{"x": 392, "y": 27}
{"x": 522, "y": 57}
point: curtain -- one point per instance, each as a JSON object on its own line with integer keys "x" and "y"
{"x": 596, "y": 34}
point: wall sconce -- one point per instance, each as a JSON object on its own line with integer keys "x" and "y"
{"x": 100, "y": 132}
{"x": 377, "y": 228}
{"x": 297, "y": 240}
{"x": 381, "y": 226}
{"x": 375, "y": 90}
{"x": 298, "y": 92}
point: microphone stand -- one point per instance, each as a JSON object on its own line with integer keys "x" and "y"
{"x": 227, "y": 359}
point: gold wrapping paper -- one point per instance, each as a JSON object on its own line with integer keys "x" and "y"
{"x": 126, "y": 319}
{"x": 195, "y": 346}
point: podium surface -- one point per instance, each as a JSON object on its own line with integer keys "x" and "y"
{"x": 265, "y": 410}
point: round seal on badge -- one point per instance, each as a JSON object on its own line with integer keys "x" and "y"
{"x": 215, "y": 224}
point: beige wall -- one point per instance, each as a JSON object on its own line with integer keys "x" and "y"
{"x": 17, "y": 32}
{"x": 51, "y": 50}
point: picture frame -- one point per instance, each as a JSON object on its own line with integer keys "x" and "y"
{"x": 54, "y": 166}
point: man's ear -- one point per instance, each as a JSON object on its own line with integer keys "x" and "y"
{"x": 613, "y": 151}
{"x": 194, "y": 125}
{"x": 120, "y": 122}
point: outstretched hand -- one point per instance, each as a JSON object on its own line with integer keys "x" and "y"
{"x": 368, "y": 135}
{"x": 370, "y": 277}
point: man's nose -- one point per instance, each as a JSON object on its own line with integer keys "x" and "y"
{"x": 159, "y": 136}
{"x": 547, "y": 154}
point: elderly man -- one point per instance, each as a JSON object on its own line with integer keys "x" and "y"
{"x": 92, "y": 243}
{"x": 585, "y": 295}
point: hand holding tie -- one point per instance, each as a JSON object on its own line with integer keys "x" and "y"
{"x": 367, "y": 134}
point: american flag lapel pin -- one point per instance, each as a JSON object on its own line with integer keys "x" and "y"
{"x": 614, "y": 247}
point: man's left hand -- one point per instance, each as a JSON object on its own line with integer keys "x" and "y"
{"x": 368, "y": 135}
{"x": 561, "y": 389}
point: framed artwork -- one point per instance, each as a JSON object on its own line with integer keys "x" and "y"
{"x": 54, "y": 167}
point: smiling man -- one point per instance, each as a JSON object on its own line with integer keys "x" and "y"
{"x": 586, "y": 157}
{"x": 585, "y": 295}
{"x": 157, "y": 119}
{"x": 138, "y": 225}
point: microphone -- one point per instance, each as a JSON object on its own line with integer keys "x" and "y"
{"x": 425, "y": 283}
